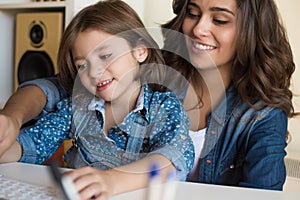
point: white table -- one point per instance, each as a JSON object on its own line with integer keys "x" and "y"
{"x": 38, "y": 174}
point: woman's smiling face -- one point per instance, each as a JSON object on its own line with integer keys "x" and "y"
{"x": 211, "y": 29}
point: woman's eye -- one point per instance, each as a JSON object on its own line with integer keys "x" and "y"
{"x": 192, "y": 13}
{"x": 105, "y": 57}
{"x": 218, "y": 21}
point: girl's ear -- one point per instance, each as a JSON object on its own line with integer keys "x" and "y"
{"x": 140, "y": 53}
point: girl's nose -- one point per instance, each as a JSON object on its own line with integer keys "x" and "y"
{"x": 95, "y": 70}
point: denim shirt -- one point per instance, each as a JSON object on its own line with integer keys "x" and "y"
{"x": 243, "y": 147}
{"x": 158, "y": 125}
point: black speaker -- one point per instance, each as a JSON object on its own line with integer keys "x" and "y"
{"x": 37, "y": 39}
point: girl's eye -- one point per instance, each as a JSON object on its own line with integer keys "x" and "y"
{"x": 82, "y": 66}
{"x": 105, "y": 57}
{"x": 221, "y": 22}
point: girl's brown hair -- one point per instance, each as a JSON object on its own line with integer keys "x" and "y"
{"x": 116, "y": 18}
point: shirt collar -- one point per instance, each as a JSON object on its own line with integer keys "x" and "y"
{"x": 96, "y": 104}
{"x": 225, "y": 108}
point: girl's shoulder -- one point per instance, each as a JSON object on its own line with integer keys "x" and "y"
{"x": 160, "y": 97}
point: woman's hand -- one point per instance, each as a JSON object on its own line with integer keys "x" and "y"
{"x": 9, "y": 130}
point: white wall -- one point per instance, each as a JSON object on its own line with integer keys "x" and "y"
{"x": 290, "y": 15}
{"x": 6, "y": 66}
{"x": 138, "y": 6}
{"x": 157, "y": 12}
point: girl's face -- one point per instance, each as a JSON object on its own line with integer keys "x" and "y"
{"x": 107, "y": 66}
{"x": 211, "y": 27}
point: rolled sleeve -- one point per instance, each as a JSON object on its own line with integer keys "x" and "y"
{"x": 170, "y": 136}
{"x": 42, "y": 140}
{"x": 52, "y": 89}
{"x": 28, "y": 147}
{"x": 177, "y": 159}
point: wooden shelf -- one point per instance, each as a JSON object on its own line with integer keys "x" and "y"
{"x": 29, "y": 5}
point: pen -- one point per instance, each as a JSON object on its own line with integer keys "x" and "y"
{"x": 170, "y": 187}
{"x": 155, "y": 183}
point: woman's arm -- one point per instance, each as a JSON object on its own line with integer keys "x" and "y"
{"x": 33, "y": 99}
{"x": 264, "y": 162}
{"x": 25, "y": 104}
{"x": 13, "y": 154}
{"x": 42, "y": 140}
{"x": 21, "y": 107}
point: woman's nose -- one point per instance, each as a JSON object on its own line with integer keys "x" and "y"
{"x": 202, "y": 27}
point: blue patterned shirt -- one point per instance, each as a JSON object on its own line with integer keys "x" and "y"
{"x": 158, "y": 125}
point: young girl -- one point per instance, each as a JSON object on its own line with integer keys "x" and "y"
{"x": 119, "y": 123}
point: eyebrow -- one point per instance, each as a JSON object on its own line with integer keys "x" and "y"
{"x": 97, "y": 49}
{"x": 219, "y": 9}
{"x": 101, "y": 47}
{"x": 222, "y": 10}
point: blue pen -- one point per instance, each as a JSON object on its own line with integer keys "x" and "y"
{"x": 155, "y": 183}
{"x": 170, "y": 187}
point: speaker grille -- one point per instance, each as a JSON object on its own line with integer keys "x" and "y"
{"x": 35, "y": 64}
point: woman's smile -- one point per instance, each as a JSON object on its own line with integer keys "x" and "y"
{"x": 202, "y": 47}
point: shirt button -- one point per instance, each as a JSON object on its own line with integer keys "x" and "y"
{"x": 208, "y": 161}
{"x": 231, "y": 166}
{"x": 213, "y": 132}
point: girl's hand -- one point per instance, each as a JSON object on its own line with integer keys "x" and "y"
{"x": 98, "y": 184}
{"x": 93, "y": 183}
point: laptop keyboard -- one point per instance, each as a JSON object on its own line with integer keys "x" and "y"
{"x": 11, "y": 189}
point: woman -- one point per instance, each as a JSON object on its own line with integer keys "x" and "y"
{"x": 238, "y": 60}
{"x": 239, "y": 102}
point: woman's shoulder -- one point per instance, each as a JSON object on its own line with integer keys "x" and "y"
{"x": 258, "y": 108}
{"x": 259, "y": 114}
{"x": 235, "y": 104}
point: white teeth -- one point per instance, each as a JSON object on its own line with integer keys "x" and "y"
{"x": 202, "y": 47}
{"x": 103, "y": 83}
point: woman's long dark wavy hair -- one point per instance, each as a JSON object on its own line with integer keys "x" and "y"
{"x": 116, "y": 18}
{"x": 263, "y": 64}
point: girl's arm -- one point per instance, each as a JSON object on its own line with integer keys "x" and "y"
{"x": 94, "y": 182}
{"x": 170, "y": 147}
